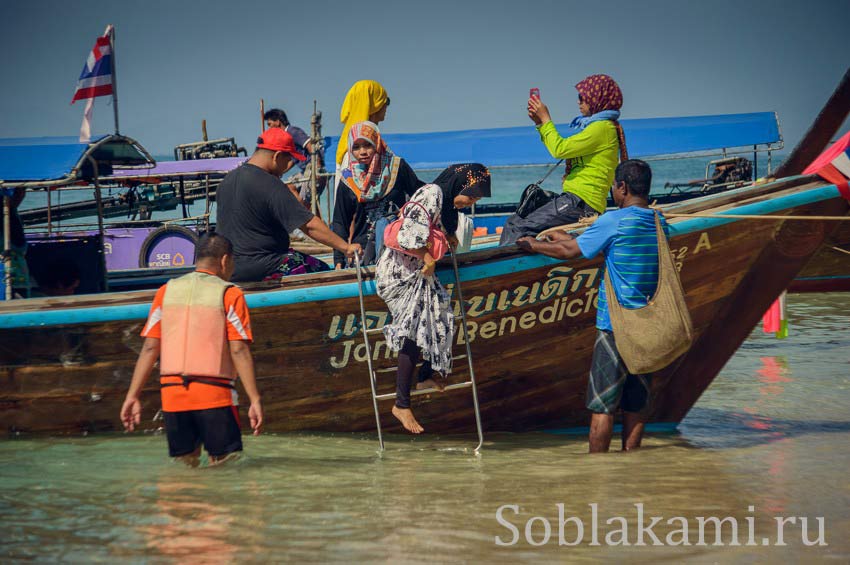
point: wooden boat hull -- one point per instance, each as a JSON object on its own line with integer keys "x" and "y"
{"x": 829, "y": 269}
{"x": 66, "y": 366}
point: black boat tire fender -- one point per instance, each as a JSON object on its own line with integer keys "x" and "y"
{"x": 157, "y": 234}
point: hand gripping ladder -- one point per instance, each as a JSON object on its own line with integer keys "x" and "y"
{"x": 373, "y": 377}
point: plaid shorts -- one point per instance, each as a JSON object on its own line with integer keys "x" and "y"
{"x": 611, "y": 386}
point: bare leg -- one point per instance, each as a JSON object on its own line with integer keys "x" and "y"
{"x": 408, "y": 356}
{"x": 431, "y": 383}
{"x": 429, "y": 379}
{"x": 633, "y": 426}
{"x": 601, "y": 429}
{"x": 191, "y": 459}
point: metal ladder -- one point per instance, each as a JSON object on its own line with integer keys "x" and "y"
{"x": 372, "y": 374}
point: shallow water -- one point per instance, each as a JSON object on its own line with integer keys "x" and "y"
{"x": 771, "y": 432}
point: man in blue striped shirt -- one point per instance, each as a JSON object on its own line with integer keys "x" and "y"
{"x": 627, "y": 239}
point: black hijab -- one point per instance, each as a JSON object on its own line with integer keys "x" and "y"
{"x": 469, "y": 179}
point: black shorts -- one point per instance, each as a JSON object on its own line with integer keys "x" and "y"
{"x": 611, "y": 386}
{"x": 216, "y": 428}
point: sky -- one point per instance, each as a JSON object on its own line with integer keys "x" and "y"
{"x": 446, "y": 65}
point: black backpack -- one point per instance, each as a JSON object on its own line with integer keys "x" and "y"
{"x": 533, "y": 197}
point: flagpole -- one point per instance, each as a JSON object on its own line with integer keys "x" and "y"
{"x": 7, "y": 244}
{"x": 114, "y": 77}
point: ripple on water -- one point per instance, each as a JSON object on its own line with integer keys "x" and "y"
{"x": 770, "y": 432}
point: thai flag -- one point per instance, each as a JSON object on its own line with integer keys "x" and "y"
{"x": 96, "y": 78}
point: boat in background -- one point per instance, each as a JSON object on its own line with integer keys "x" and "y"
{"x": 730, "y": 137}
{"x": 60, "y": 163}
{"x": 140, "y": 251}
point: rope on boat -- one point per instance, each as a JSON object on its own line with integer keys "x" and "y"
{"x": 201, "y": 217}
{"x": 756, "y": 217}
{"x": 834, "y": 248}
{"x": 584, "y": 222}
{"x": 125, "y": 222}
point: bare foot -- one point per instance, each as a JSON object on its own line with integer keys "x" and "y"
{"x": 191, "y": 459}
{"x": 405, "y": 416}
{"x": 235, "y": 456}
{"x": 430, "y": 383}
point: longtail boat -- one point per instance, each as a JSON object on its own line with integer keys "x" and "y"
{"x": 728, "y": 136}
{"x": 143, "y": 252}
{"x": 66, "y": 363}
{"x": 57, "y": 163}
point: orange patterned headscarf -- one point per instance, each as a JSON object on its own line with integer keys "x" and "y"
{"x": 368, "y": 182}
{"x": 600, "y": 92}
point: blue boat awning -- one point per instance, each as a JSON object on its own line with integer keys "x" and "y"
{"x": 646, "y": 137}
{"x": 51, "y": 159}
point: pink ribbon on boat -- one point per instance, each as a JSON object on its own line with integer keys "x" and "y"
{"x": 833, "y": 165}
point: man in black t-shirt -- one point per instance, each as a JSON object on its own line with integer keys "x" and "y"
{"x": 256, "y": 212}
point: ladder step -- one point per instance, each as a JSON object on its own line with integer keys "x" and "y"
{"x": 393, "y": 369}
{"x": 455, "y": 386}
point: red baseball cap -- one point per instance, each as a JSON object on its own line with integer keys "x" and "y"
{"x": 275, "y": 139}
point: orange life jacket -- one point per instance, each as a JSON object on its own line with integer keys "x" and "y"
{"x": 194, "y": 343}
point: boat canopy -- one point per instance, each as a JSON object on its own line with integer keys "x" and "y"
{"x": 54, "y": 161}
{"x": 190, "y": 168}
{"x": 646, "y": 137}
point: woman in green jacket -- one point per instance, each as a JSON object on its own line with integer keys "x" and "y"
{"x": 591, "y": 154}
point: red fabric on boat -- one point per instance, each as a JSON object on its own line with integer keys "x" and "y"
{"x": 772, "y": 320}
{"x": 824, "y": 168}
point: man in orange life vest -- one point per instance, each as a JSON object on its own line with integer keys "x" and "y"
{"x": 200, "y": 330}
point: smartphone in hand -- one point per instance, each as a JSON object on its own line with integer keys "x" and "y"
{"x": 534, "y": 93}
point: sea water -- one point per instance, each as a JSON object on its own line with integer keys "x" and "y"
{"x": 767, "y": 440}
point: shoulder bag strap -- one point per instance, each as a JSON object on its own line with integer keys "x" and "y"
{"x": 662, "y": 241}
{"x": 430, "y": 223}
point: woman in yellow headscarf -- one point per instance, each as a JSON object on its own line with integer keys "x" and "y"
{"x": 366, "y": 100}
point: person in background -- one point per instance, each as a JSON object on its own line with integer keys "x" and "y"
{"x": 374, "y": 184}
{"x": 591, "y": 155}
{"x": 422, "y": 319}
{"x": 366, "y": 100}
{"x": 298, "y": 183}
{"x": 257, "y": 212}
{"x": 60, "y": 278}
{"x": 17, "y": 246}
{"x": 199, "y": 330}
{"x": 627, "y": 239}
